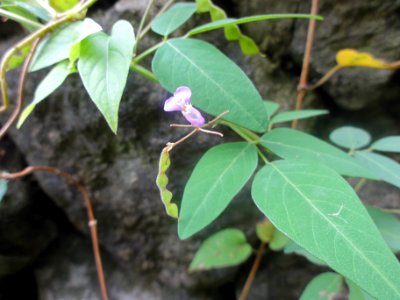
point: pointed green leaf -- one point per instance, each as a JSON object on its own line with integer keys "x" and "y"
{"x": 271, "y": 107}
{"x": 389, "y": 144}
{"x": 293, "y": 144}
{"x": 217, "y": 178}
{"x": 173, "y": 18}
{"x": 217, "y": 83}
{"x": 297, "y": 115}
{"x": 356, "y": 293}
{"x": 350, "y": 137}
{"x": 103, "y": 66}
{"x": 292, "y": 247}
{"x": 225, "y": 248}
{"x": 319, "y": 210}
{"x": 389, "y": 227}
{"x": 383, "y": 167}
{"x": 57, "y": 46}
{"x": 325, "y": 286}
{"x": 47, "y": 86}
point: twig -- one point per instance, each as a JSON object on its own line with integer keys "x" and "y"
{"x": 21, "y": 91}
{"x": 253, "y": 271}
{"x": 324, "y": 78}
{"x": 142, "y": 21}
{"x": 301, "y": 89}
{"x": 88, "y": 204}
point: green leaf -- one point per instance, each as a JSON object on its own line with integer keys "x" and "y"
{"x": 3, "y": 188}
{"x": 389, "y": 227}
{"x": 264, "y": 230}
{"x": 18, "y": 58}
{"x": 225, "y": 248}
{"x": 103, "y": 66}
{"x": 33, "y": 8}
{"x": 350, "y": 137}
{"x": 324, "y": 287}
{"x": 293, "y": 144}
{"x": 47, "y": 86}
{"x": 63, "y": 5}
{"x": 383, "y": 167}
{"x": 297, "y": 115}
{"x": 388, "y": 144}
{"x": 173, "y": 18}
{"x": 271, "y": 107}
{"x": 278, "y": 240}
{"x": 232, "y": 21}
{"x": 57, "y": 46}
{"x": 217, "y": 178}
{"x": 319, "y": 210}
{"x": 356, "y": 293}
{"x": 292, "y": 247}
{"x": 217, "y": 84}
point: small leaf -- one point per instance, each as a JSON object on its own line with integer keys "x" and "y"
{"x": 63, "y": 5}
{"x": 104, "y": 65}
{"x": 271, "y": 107}
{"x": 389, "y": 227}
{"x": 217, "y": 84}
{"x": 225, "y": 248}
{"x": 383, "y": 167}
{"x": 325, "y": 286}
{"x": 3, "y": 188}
{"x": 162, "y": 181}
{"x": 292, "y": 247}
{"x": 264, "y": 230}
{"x": 293, "y": 144}
{"x": 388, "y": 144}
{"x": 18, "y": 58}
{"x": 278, "y": 240}
{"x": 297, "y": 115}
{"x": 316, "y": 208}
{"x": 57, "y": 46}
{"x": 33, "y": 8}
{"x": 217, "y": 178}
{"x": 353, "y": 58}
{"x": 173, "y": 18}
{"x": 350, "y": 137}
{"x": 356, "y": 293}
{"x": 47, "y": 86}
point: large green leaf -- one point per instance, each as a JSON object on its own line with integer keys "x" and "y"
{"x": 293, "y": 144}
{"x": 103, "y": 66}
{"x": 173, "y": 18}
{"x": 323, "y": 287}
{"x": 217, "y": 178}
{"x": 57, "y": 46}
{"x": 350, "y": 137}
{"x": 383, "y": 167}
{"x": 389, "y": 227}
{"x": 297, "y": 115}
{"x": 389, "y": 144}
{"x": 225, "y": 248}
{"x": 216, "y": 82}
{"x": 318, "y": 209}
{"x": 47, "y": 86}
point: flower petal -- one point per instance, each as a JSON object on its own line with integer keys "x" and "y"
{"x": 184, "y": 93}
{"x": 174, "y": 104}
{"x": 193, "y": 116}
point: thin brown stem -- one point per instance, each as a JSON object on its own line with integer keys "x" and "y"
{"x": 21, "y": 91}
{"x": 253, "y": 272}
{"x": 89, "y": 208}
{"x": 325, "y": 78}
{"x": 301, "y": 89}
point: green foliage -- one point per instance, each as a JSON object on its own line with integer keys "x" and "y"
{"x": 297, "y": 115}
{"x": 3, "y": 188}
{"x": 350, "y": 137}
{"x": 278, "y": 240}
{"x": 293, "y": 144}
{"x": 162, "y": 181}
{"x": 271, "y": 107}
{"x": 18, "y": 58}
{"x": 217, "y": 178}
{"x": 292, "y": 247}
{"x": 318, "y": 209}
{"x": 58, "y": 45}
{"x": 264, "y": 230}
{"x": 387, "y": 144}
{"x": 383, "y": 167}
{"x": 323, "y": 287}
{"x": 173, "y": 18}
{"x": 216, "y": 82}
{"x": 103, "y": 66}
{"x": 47, "y": 86}
{"x": 63, "y": 5}
{"x": 355, "y": 293}
{"x": 225, "y": 248}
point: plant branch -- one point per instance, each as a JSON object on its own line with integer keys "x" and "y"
{"x": 89, "y": 208}
{"x": 325, "y": 78}
{"x": 142, "y": 21}
{"x": 301, "y": 89}
{"x": 253, "y": 272}
{"x": 144, "y": 72}
{"x": 21, "y": 91}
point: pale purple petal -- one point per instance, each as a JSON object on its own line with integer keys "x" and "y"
{"x": 174, "y": 104}
{"x": 193, "y": 116}
{"x": 184, "y": 93}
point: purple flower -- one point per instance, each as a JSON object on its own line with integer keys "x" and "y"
{"x": 180, "y": 101}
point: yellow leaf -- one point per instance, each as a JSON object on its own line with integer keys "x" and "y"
{"x": 353, "y": 58}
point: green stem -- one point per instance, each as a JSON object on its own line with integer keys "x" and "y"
{"x": 144, "y": 72}
{"x": 145, "y": 15}
{"x": 360, "y": 184}
{"x": 246, "y": 134}
{"x": 146, "y": 53}
{"x": 19, "y": 19}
